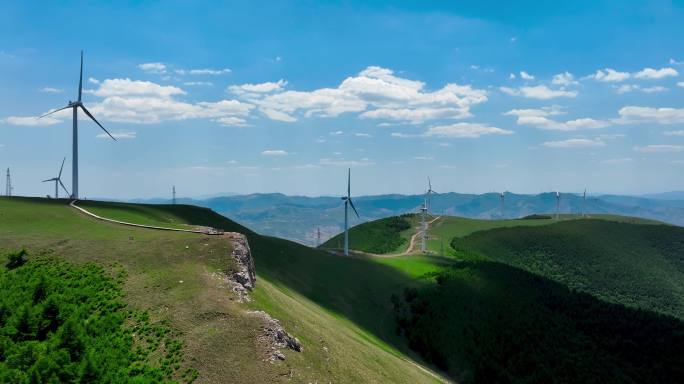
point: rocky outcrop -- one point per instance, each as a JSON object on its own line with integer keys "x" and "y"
{"x": 245, "y": 274}
{"x": 274, "y": 337}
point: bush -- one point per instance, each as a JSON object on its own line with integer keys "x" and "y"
{"x": 16, "y": 259}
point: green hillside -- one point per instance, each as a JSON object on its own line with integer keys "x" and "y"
{"x": 638, "y": 265}
{"x": 381, "y": 236}
{"x": 338, "y": 307}
{"x": 487, "y": 322}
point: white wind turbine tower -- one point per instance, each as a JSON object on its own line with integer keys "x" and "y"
{"x": 74, "y": 105}
{"x": 58, "y": 181}
{"x": 557, "y": 205}
{"x": 424, "y": 213}
{"x": 501, "y": 197}
{"x": 584, "y": 202}
{"x": 347, "y": 202}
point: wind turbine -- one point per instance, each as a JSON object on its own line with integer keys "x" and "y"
{"x": 557, "y": 205}
{"x": 429, "y": 192}
{"x": 347, "y": 202}
{"x": 58, "y": 181}
{"x": 501, "y": 197}
{"x": 75, "y": 105}
{"x": 584, "y": 200}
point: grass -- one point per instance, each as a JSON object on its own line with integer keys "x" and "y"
{"x": 388, "y": 235}
{"x": 338, "y": 303}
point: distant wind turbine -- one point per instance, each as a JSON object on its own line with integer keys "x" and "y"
{"x": 501, "y": 197}
{"x": 58, "y": 181}
{"x": 557, "y": 205}
{"x": 584, "y": 201}
{"x": 430, "y": 191}
{"x": 75, "y": 105}
{"x": 348, "y": 202}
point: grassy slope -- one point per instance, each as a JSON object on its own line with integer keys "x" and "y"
{"x": 340, "y": 304}
{"x": 382, "y": 236}
{"x": 637, "y": 265}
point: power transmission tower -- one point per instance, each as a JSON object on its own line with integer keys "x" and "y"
{"x": 8, "y": 184}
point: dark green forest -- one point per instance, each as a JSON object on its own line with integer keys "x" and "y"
{"x": 379, "y": 236}
{"x": 64, "y": 323}
{"x": 487, "y": 322}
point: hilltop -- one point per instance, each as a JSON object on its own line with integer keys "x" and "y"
{"x": 176, "y": 278}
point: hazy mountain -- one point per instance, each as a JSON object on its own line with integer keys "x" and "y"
{"x": 298, "y": 217}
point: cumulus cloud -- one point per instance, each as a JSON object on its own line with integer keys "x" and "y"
{"x": 541, "y": 92}
{"x": 274, "y": 152}
{"x": 252, "y": 89}
{"x": 574, "y": 143}
{"x": 650, "y": 73}
{"x": 375, "y": 93}
{"x": 198, "y": 83}
{"x": 635, "y": 114}
{"x": 526, "y": 76}
{"x": 609, "y": 75}
{"x": 680, "y": 84}
{"x": 153, "y": 67}
{"x": 660, "y": 148}
{"x": 539, "y": 118}
{"x": 624, "y": 88}
{"x": 366, "y": 135}
{"x": 133, "y": 101}
{"x": 119, "y": 135}
{"x": 464, "y": 130}
{"x": 564, "y": 79}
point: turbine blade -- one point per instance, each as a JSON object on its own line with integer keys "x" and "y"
{"x": 429, "y": 184}
{"x": 64, "y": 188}
{"x": 80, "y": 79}
{"x": 60, "y": 168}
{"x": 353, "y": 207}
{"x": 96, "y": 122}
{"x": 47, "y": 180}
{"x": 56, "y": 110}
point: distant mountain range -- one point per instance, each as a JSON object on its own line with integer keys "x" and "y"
{"x": 298, "y": 217}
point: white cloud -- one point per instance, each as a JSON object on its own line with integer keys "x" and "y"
{"x": 635, "y": 114}
{"x": 401, "y": 135}
{"x": 564, "y": 79}
{"x": 199, "y": 83}
{"x": 624, "y": 88}
{"x": 423, "y": 158}
{"x": 336, "y": 133}
{"x": 153, "y": 67}
{"x": 609, "y": 75}
{"x": 375, "y": 93}
{"x": 511, "y": 76}
{"x": 660, "y": 148}
{"x": 232, "y": 121}
{"x": 93, "y": 80}
{"x": 526, "y": 76}
{"x": 128, "y": 87}
{"x": 274, "y": 152}
{"x": 574, "y": 143}
{"x": 539, "y": 118}
{"x": 464, "y": 130}
{"x": 540, "y": 92}
{"x": 31, "y": 121}
{"x": 363, "y": 135}
{"x": 680, "y": 84}
{"x": 267, "y": 87}
{"x": 120, "y": 135}
{"x": 621, "y": 160}
{"x": 50, "y": 90}
{"x": 650, "y": 73}
{"x": 674, "y": 133}
{"x": 203, "y": 71}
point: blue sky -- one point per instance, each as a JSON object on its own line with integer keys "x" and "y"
{"x": 275, "y": 96}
